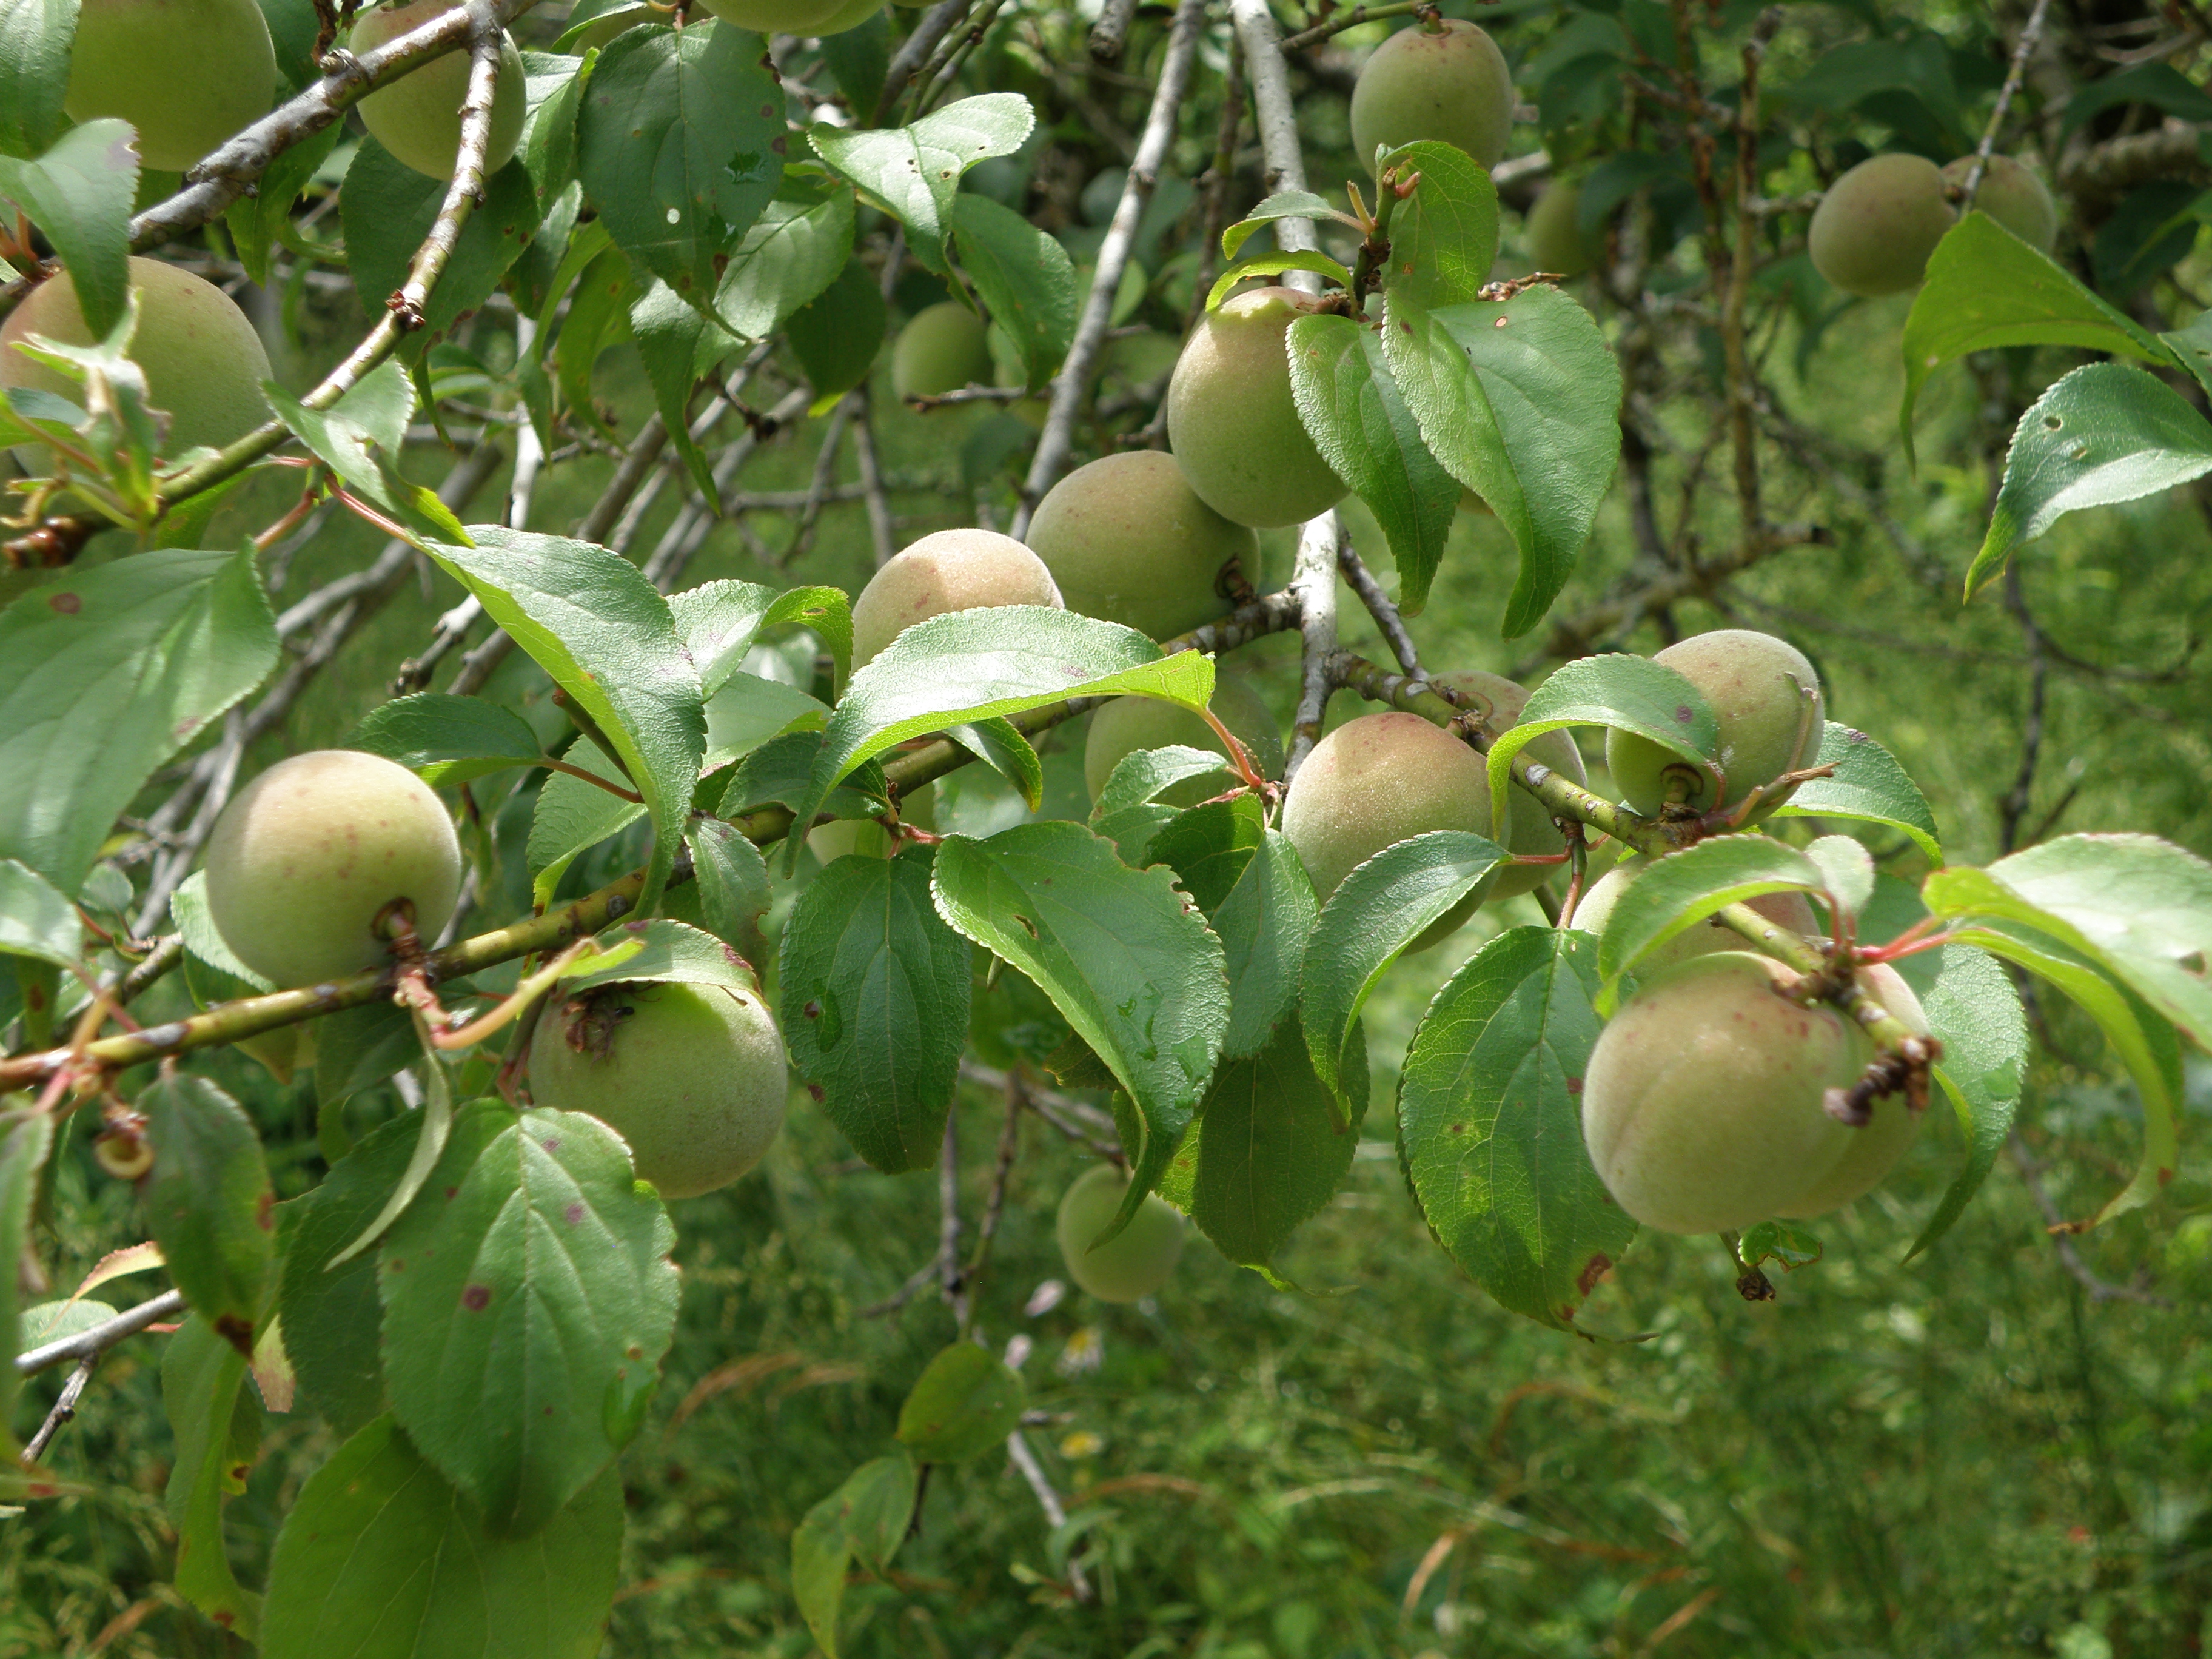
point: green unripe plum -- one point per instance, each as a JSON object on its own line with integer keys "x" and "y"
{"x": 1377, "y": 780}
{"x": 1870, "y": 1151}
{"x": 1139, "y": 1259}
{"x": 2013, "y": 194}
{"x": 1556, "y": 242}
{"x": 850, "y": 15}
{"x": 1756, "y": 685}
{"x": 202, "y": 361}
{"x": 1231, "y": 420}
{"x": 775, "y": 16}
{"x": 1452, "y": 85}
{"x": 1126, "y": 724}
{"x": 418, "y": 117}
{"x": 1789, "y": 911}
{"x": 306, "y": 858}
{"x": 868, "y": 838}
{"x": 691, "y": 1075}
{"x": 1529, "y": 828}
{"x": 1127, "y": 539}
{"x": 943, "y": 349}
{"x": 1874, "y": 229}
{"x": 949, "y": 570}
{"x": 186, "y": 73}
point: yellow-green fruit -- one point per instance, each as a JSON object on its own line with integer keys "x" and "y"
{"x": 691, "y": 1075}
{"x": 1703, "y": 1101}
{"x": 202, "y": 361}
{"x": 1375, "y": 782}
{"x": 1127, "y": 539}
{"x": 943, "y": 349}
{"x": 1126, "y": 724}
{"x": 186, "y": 73}
{"x": 2013, "y": 194}
{"x": 307, "y": 856}
{"x": 1556, "y": 242}
{"x": 1874, "y": 230}
{"x": 868, "y": 838}
{"x": 418, "y": 117}
{"x": 775, "y": 16}
{"x": 949, "y": 570}
{"x": 1134, "y": 1262}
{"x": 1872, "y": 1150}
{"x": 1757, "y": 686}
{"x": 1529, "y": 828}
{"x": 1232, "y": 422}
{"x": 1452, "y": 85}
{"x": 1791, "y": 911}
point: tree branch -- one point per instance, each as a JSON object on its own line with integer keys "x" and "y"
{"x": 1314, "y": 580}
{"x": 100, "y": 1338}
{"x": 1279, "y": 126}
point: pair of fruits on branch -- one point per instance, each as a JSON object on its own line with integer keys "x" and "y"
{"x": 1877, "y": 225}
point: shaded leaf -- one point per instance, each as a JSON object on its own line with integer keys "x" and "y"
{"x": 209, "y": 1203}
{"x": 1626, "y": 692}
{"x": 965, "y": 1403}
{"x": 446, "y": 739}
{"x": 1868, "y": 785}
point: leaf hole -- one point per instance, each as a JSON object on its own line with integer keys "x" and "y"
{"x": 2051, "y": 424}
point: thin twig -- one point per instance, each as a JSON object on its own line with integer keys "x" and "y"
{"x": 1305, "y": 39}
{"x": 98, "y": 1338}
{"x": 950, "y": 1281}
{"x": 64, "y": 1410}
{"x": 1379, "y": 607}
{"x": 1017, "y": 1448}
{"x": 2029, "y": 34}
{"x": 1111, "y": 31}
{"x": 2061, "y": 1235}
{"x": 907, "y": 63}
{"x": 1279, "y": 127}
{"x": 882, "y": 535}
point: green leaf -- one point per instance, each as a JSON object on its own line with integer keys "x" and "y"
{"x": 434, "y": 1128}
{"x": 107, "y": 673}
{"x": 26, "y": 1137}
{"x": 660, "y": 950}
{"x": 572, "y": 817}
{"x": 2105, "y": 434}
{"x": 1141, "y": 774}
{"x": 679, "y": 145}
{"x": 1208, "y": 847}
{"x": 379, "y": 1558}
{"x": 780, "y": 770}
{"x": 914, "y": 173}
{"x": 794, "y": 250}
{"x": 1975, "y": 1012}
{"x": 35, "y": 919}
{"x": 259, "y": 223}
{"x": 1519, "y": 400}
{"x": 965, "y": 1403}
{"x": 371, "y": 416}
{"x": 1283, "y": 205}
{"x": 1376, "y": 911}
{"x": 80, "y": 192}
{"x": 1024, "y": 276}
{"x": 718, "y": 622}
{"x": 201, "y": 1374}
{"x": 1490, "y": 1124}
{"x": 387, "y": 208}
{"x": 867, "y": 1517}
{"x": 1120, "y": 952}
{"x": 674, "y": 341}
{"x": 837, "y": 335}
{"x": 1984, "y": 288}
{"x": 1788, "y": 1246}
{"x": 1443, "y": 237}
{"x": 999, "y": 746}
{"x": 446, "y": 739}
{"x": 1628, "y": 694}
{"x": 36, "y": 36}
{"x": 1273, "y": 264}
{"x": 732, "y": 880}
{"x": 525, "y": 1310}
{"x": 212, "y": 971}
{"x": 553, "y": 85}
{"x": 874, "y": 997}
{"x": 1351, "y": 408}
{"x": 1846, "y": 870}
{"x": 1672, "y": 894}
{"x": 1263, "y": 926}
{"x": 357, "y": 1048}
{"x": 750, "y": 711}
{"x": 593, "y": 622}
{"x": 209, "y": 1204}
{"x": 2192, "y": 348}
{"x": 1868, "y": 785}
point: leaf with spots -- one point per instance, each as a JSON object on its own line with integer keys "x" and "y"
{"x": 216, "y": 1426}
{"x": 209, "y": 1204}
{"x": 914, "y": 173}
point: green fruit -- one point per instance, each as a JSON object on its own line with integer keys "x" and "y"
{"x": 1232, "y": 422}
{"x": 950, "y": 570}
{"x": 307, "y": 857}
{"x": 849, "y": 16}
{"x": 1377, "y": 780}
{"x": 1529, "y": 828}
{"x": 775, "y": 16}
{"x": 1788, "y": 910}
{"x": 2013, "y": 196}
{"x": 202, "y": 361}
{"x": 1138, "y": 1259}
{"x": 868, "y": 838}
{"x": 418, "y": 117}
{"x": 1127, "y": 539}
{"x": 1126, "y": 724}
{"x": 1756, "y": 685}
{"x": 1452, "y": 85}
{"x": 186, "y": 73}
{"x": 1556, "y": 242}
{"x": 943, "y": 349}
{"x": 1872, "y": 1150}
{"x": 691, "y": 1075}
{"x": 1874, "y": 230}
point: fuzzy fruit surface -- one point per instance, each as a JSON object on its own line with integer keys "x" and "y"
{"x": 941, "y": 350}
{"x": 1556, "y": 242}
{"x": 1790, "y": 910}
{"x": 1377, "y": 780}
{"x": 202, "y": 361}
{"x": 947, "y": 570}
{"x": 866, "y": 838}
{"x": 188, "y": 74}
{"x": 308, "y": 855}
{"x": 418, "y": 117}
{"x": 692, "y": 1076}
{"x": 1232, "y": 422}
{"x": 1874, "y": 230}
{"x": 1753, "y": 681}
{"x": 1528, "y": 827}
{"x": 1452, "y": 85}
{"x": 1138, "y": 1259}
{"x": 1126, "y": 724}
{"x": 2014, "y": 196}
{"x": 775, "y": 16}
{"x": 1127, "y": 539}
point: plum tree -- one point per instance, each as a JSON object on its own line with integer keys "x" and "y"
{"x": 1127, "y": 539}
{"x": 1770, "y": 711}
{"x": 1876, "y": 225}
{"x": 186, "y": 73}
{"x": 868, "y": 838}
{"x": 1232, "y": 424}
{"x": 307, "y": 858}
{"x": 204, "y": 363}
{"x": 941, "y": 350}
{"x": 691, "y": 1075}
{"x": 1136, "y": 1261}
{"x": 1126, "y": 724}
{"x": 777, "y": 16}
{"x": 1449, "y": 83}
{"x": 418, "y": 117}
{"x": 2013, "y": 195}
{"x": 1556, "y": 242}
{"x": 1790, "y": 909}
{"x": 1529, "y": 828}
{"x": 946, "y": 570}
